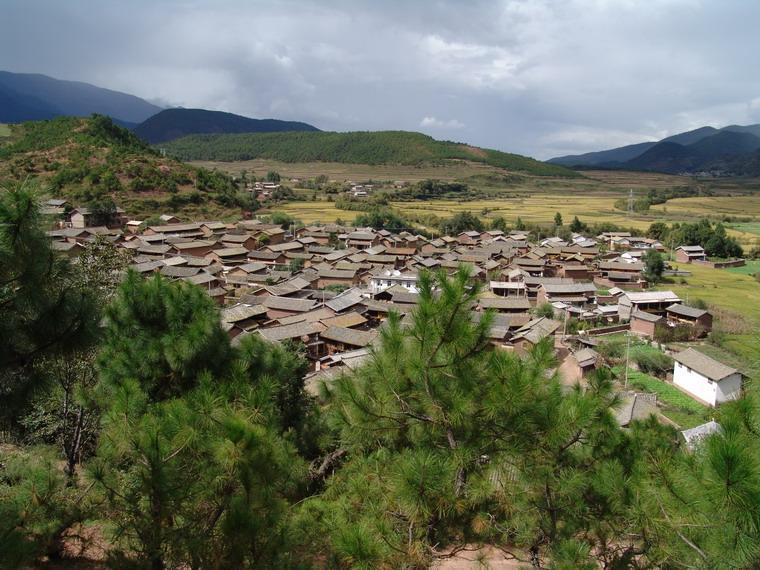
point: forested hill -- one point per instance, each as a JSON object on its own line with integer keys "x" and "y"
{"x": 92, "y": 160}
{"x": 172, "y": 124}
{"x": 380, "y": 147}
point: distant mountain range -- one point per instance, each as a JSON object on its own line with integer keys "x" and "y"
{"x": 32, "y": 97}
{"x": 731, "y": 150}
{"x": 172, "y": 124}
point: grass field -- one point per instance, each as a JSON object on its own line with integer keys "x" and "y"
{"x": 734, "y": 292}
{"x": 734, "y": 299}
{"x": 5, "y": 130}
{"x": 751, "y": 268}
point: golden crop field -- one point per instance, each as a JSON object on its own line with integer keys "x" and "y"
{"x": 540, "y": 207}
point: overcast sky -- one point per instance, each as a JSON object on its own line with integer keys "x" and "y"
{"x": 540, "y": 78}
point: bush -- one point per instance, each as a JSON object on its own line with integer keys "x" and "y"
{"x": 545, "y": 310}
{"x": 651, "y": 360}
{"x": 613, "y": 349}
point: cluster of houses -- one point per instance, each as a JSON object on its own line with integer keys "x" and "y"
{"x": 331, "y": 287}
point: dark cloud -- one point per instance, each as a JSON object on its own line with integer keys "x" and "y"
{"x": 536, "y": 77}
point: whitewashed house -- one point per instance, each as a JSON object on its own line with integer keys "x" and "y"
{"x": 706, "y": 379}
{"x": 391, "y": 277}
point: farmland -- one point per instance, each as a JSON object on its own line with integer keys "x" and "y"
{"x": 534, "y": 199}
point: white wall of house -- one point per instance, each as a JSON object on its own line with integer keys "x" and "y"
{"x": 382, "y": 282}
{"x": 704, "y": 389}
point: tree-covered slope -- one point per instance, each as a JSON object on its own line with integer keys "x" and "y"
{"x": 381, "y": 147}
{"x": 91, "y": 160}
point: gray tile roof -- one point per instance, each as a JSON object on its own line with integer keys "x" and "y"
{"x": 704, "y": 365}
{"x": 685, "y": 311}
{"x": 511, "y": 303}
{"x": 345, "y": 300}
{"x": 242, "y": 312}
{"x": 288, "y": 304}
{"x": 296, "y": 330}
{"x": 352, "y": 337}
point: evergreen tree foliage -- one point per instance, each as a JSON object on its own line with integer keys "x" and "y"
{"x": 654, "y": 265}
{"x": 451, "y": 443}
{"x": 43, "y": 311}
{"x": 37, "y": 504}
{"x": 163, "y": 335}
{"x": 192, "y": 460}
{"x": 578, "y": 226}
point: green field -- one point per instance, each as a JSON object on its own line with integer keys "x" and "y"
{"x": 751, "y": 268}
{"x": 5, "y": 130}
{"x": 735, "y": 292}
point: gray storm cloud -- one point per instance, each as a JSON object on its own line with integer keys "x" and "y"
{"x": 536, "y": 77}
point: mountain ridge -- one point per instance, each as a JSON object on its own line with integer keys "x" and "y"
{"x": 170, "y": 124}
{"x": 51, "y": 97}
{"x": 705, "y": 149}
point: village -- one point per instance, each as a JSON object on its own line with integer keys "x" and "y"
{"x": 330, "y": 288}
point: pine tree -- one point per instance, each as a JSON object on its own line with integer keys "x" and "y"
{"x": 43, "y": 310}
{"x": 192, "y": 462}
{"x": 163, "y": 335}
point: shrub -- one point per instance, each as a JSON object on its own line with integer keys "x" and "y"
{"x": 545, "y": 310}
{"x": 651, "y": 360}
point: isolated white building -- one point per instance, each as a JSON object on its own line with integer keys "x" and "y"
{"x": 705, "y": 378}
{"x": 391, "y": 277}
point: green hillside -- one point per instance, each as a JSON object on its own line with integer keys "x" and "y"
{"x": 382, "y": 147}
{"x": 92, "y": 160}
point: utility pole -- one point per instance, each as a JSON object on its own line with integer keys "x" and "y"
{"x": 564, "y": 330}
{"x": 630, "y": 202}
{"x": 627, "y": 353}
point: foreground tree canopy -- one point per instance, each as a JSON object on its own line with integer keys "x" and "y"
{"x": 194, "y": 452}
